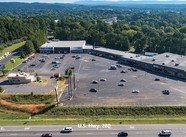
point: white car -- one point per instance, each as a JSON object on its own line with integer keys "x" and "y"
{"x": 165, "y": 132}
{"x": 135, "y": 91}
{"x": 66, "y": 130}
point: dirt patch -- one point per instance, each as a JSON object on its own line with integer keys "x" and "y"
{"x": 30, "y": 108}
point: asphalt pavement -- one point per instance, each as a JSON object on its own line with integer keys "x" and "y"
{"x": 105, "y": 130}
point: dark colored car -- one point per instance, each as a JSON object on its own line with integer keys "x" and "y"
{"x": 93, "y": 90}
{"x": 93, "y": 60}
{"x": 166, "y": 92}
{"x": 123, "y": 80}
{"x": 121, "y": 84}
{"x": 123, "y": 71}
{"x": 122, "y": 134}
{"x": 134, "y": 69}
{"x": 31, "y": 65}
{"x": 94, "y": 82}
{"x": 46, "y": 135}
{"x": 156, "y": 79}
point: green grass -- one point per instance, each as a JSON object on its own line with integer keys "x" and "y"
{"x": 12, "y": 48}
{"x": 28, "y": 98}
{"x": 9, "y": 66}
{"x": 74, "y": 120}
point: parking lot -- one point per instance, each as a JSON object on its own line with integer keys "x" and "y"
{"x": 88, "y": 68}
{"x": 109, "y": 93}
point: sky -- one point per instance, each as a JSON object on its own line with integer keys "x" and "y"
{"x": 71, "y": 1}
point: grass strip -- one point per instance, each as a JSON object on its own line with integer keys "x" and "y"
{"x": 95, "y": 120}
{"x": 12, "y": 48}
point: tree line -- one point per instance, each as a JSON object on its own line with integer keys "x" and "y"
{"x": 33, "y": 30}
{"x": 142, "y": 29}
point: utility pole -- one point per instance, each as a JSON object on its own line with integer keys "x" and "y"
{"x": 57, "y": 100}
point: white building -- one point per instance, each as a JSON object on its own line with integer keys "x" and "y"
{"x": 56, "y": 46}
{"x": 20, "y": 78}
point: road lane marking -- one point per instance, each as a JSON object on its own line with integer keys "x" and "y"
{"x": 26, "y": 128}
{"x": 132, "y": 127}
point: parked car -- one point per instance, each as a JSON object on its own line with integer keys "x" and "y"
{"x": 66, "y": 130}
{"x": 122, "y": 134}
{"x": 77, "y": 57}
{"x": 103, "y": 79}
{"x": 31, "y": 65}
{"x": 120, "y": 84}
{"x": 166, "y": 92}
{"x": 25, "y": 61}
{"x": 46, "y": 135}
{"x": 118, "y": 65}
{"x": 156, "y": 79}
{"x": 53, "y": 68}
{"x": 113, "y": 67}
{"x": 94, "y": 82}
{"x": 93, "y": 90}
{"x": 135, "y": 91}
{"x": 123, "y": 71}
{"x": 134, "y": 69}
{"x": 123, "y": 80}
{"x": 165, "y": 132}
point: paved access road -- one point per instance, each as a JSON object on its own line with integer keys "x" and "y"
{"x": 93, "y": 131}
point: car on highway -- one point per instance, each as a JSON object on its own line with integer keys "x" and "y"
{"x": 121, "y": 84}
{"x": 94, "y": 82}
{"x": 165, "y": 133}
{"x": 122, "y": 134}
{"x": 46, "y": 135}
{"x": 66, "y": 130}
{"x": 93, "y": 90}
{"x": 93, "y": 59}
{"x": 166, "y": 92}
{"x": 123, "y": 80}
{"x": 135, "y": 91}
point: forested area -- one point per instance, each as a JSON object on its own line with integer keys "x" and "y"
{"x": 144, "y": 29}
{"x": 33, "y": 29}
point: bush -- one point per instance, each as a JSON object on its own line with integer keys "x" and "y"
{"x": 1, "y": 89}
{"x": 38, "y": 78}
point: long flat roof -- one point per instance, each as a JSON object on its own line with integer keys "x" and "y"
{"x": 169, "y": 59}
{"x": 80, "y": 43}
{"x": 123, "y": 54}
{"x": 164, "y": 59}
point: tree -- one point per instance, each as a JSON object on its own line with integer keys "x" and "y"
{"x": 29, "y": 47}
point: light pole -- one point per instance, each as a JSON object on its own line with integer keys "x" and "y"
{"x": 57, "y": 99}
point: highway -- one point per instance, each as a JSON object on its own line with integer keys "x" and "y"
{"x": 93, "y": 130}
